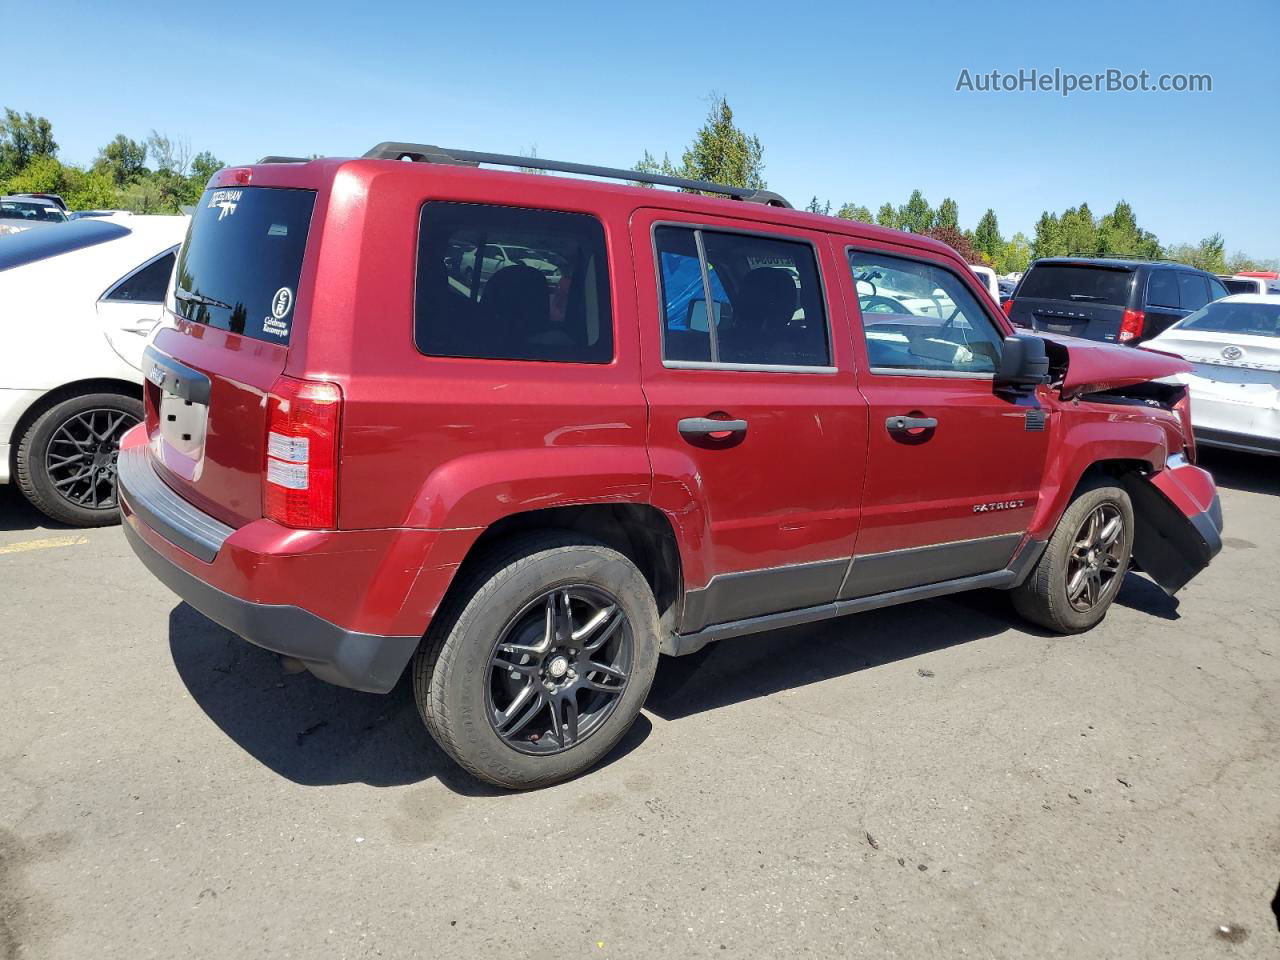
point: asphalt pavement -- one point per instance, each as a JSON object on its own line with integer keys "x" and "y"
{"x": 935, "y": 780}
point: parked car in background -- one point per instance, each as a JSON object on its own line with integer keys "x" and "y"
{"x": 1234, "y": 348}
{"x": 496, "y": 256}
{"x": 88, "y": 214}
{"x": 1110, "y": 299}
{"x": 76, "y": 305}
{"x": 1243, "y": 283}
{"x": 988, "y": 278}
{"x": 51, "y": 197}
{"x": 30, "y": 211}
{"x": 523, "y": 493}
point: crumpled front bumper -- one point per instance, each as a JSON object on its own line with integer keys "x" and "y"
{"x": 1179, "y": 523}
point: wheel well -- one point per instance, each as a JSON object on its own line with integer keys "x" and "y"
{"x": 1115, "y": 470}
{"x": 66, "y": 392}
{"x": 640, "y": 532}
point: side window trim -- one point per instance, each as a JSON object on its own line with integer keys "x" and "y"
{"x": 996, "y": 325}
{"x": 698, "y": 228}
{"x": 108, "y": 295}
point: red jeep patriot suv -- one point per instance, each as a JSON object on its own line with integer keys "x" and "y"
{"x": 528, "y": 432}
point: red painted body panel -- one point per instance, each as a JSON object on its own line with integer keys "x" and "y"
{"x": 1095, "y": 366}
{"x": 435, "y": 450}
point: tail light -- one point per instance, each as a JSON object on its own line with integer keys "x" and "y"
{"x": 1008, "y": 307}
{"x": 301, "y": 465}
{"x": 1183, "y": 409}
{"x": 1132, "y": 325}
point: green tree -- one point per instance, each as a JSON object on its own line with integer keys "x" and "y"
{"x": 1212, "y": 254}
{"x": 24, "y": 137}
{"x": 1079, "y": 231}
{"x": 80, "y": 189}
{"x": 720, "y": 152}
{"x": 1015, "y": 255}
{"x": 1048, "y": 241}
{"x": 917, "y": 215}
{"x": 948, "y": 214}
{"x": 123, "y": 159}
{"x": 986, "y": 237}
{"x": 203, "y": 166}
{"x": 955, "y": 240}
{"x": 855, "y": 211}
{"x": 819, "y": 206}
{"x": 886, "y": 216}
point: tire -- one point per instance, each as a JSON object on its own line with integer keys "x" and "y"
{"x": 511, "y": 604}
{"x": 42, "y": 477}
{"x": 1046, "y": 597}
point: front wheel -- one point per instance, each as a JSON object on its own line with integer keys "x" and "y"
{"x": 1083, "y": 565}
{"x": 66, "y": 461}
{"x": 541, "y": 663}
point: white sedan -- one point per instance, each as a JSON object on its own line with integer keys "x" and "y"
{"x": 77, "y": 302}
{"x": 1234, "y": 346}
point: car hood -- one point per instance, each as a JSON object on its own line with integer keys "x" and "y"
{"x": 1092, "y": 366}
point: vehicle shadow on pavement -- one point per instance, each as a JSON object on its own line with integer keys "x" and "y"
{"x": 17, "y": 514}
{"x": 1246, "y": 472}
{"x": 733, "y": 671}
{"x": 309, "y": 731}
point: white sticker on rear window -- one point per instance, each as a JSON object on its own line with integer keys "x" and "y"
{"x": 282, "y": 303}
{"x": 225, "y": 201}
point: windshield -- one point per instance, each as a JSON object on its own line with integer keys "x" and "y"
{"x": 240, "y": 265}
{"x": 26, "y": 210}
{"x": 1248, "y": 319}
{"x": 1083, "y": 283}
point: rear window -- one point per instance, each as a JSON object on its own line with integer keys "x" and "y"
{"x": 28, "y": 210}
{"x": 1248, "y": 319}
{"x": 239, "y": 268}
{"x": 17, "y": 249}
{"x": 510, "y": 283}
{"x": 1082, "y": 284}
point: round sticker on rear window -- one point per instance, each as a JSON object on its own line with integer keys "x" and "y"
{"x": 282, "y": 303}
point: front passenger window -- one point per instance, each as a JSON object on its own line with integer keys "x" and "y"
{"x": 918, "y": 318}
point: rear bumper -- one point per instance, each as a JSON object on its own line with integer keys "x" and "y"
{"x": 351, "y": 605}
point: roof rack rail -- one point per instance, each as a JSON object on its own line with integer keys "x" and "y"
{"x": 1122, "y": 256}
{"x": 275, "y": 159}
{"x": 428, "y": 153}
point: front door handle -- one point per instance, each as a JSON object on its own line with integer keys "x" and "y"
{"x": 903, "y": 424}
{"x": 707, "y": 427}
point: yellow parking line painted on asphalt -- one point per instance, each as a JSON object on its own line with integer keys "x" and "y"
{"x": 45, "y": 544}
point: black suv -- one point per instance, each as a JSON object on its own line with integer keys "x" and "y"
{"x": 1107, "y": 298}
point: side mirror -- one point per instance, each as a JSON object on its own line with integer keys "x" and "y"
{"x": 1023, "y": 362}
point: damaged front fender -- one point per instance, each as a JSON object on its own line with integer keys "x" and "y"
{"x": 1179, "y": 523}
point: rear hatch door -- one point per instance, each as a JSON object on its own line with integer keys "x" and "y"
{"x": 232, "y": 311}
{"x": 1077, "y": 299}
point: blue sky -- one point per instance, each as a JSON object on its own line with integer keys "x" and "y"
{"x": 852, "y": 101}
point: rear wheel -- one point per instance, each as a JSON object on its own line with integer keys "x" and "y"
{"x": 66, "y": 461}
{"x": 1083, "y": 565}
{"x": 542, "y": 661}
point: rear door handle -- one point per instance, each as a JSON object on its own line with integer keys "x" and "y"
{"x": 903, "y": 424}
{"x": 705, "y": 426}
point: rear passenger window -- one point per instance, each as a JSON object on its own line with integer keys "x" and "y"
{"x": 1194, "y": 290}
{"x": 766, "y": 300}
{"x": 918, "y": 318}
{"x": 1216, "y": 290}
{"x": 147, "y": 285}
{"x": 509, "y": 283}
{"x": 1162, "y": 289}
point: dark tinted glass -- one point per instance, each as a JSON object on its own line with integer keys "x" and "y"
{"x": 1216, "y": 290}
{"x": 147, "y": 285}
{"x": 508, "y": 283}
{"x": 1162, "y": 289}
{"x": 1251, "y": 319}
{"x": 1240, "y": 286}
{"x": 1193, "y": 290}
{"x": 766, "y": 299}
{"x": 239, "y": 268}
{"x": 29, "y": 246}
{"x": 920, "y": 318}
{"x": 1082, "y": 284}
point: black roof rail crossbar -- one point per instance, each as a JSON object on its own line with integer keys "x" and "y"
{"x": 1122, "y": 256}
{"x": 427, "y": 153}
{"x": 274, "y": 159}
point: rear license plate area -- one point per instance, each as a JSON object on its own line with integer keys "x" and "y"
{"x": 183, "y": 424}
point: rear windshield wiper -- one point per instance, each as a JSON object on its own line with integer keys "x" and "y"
{"x": 200, "y": 298}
